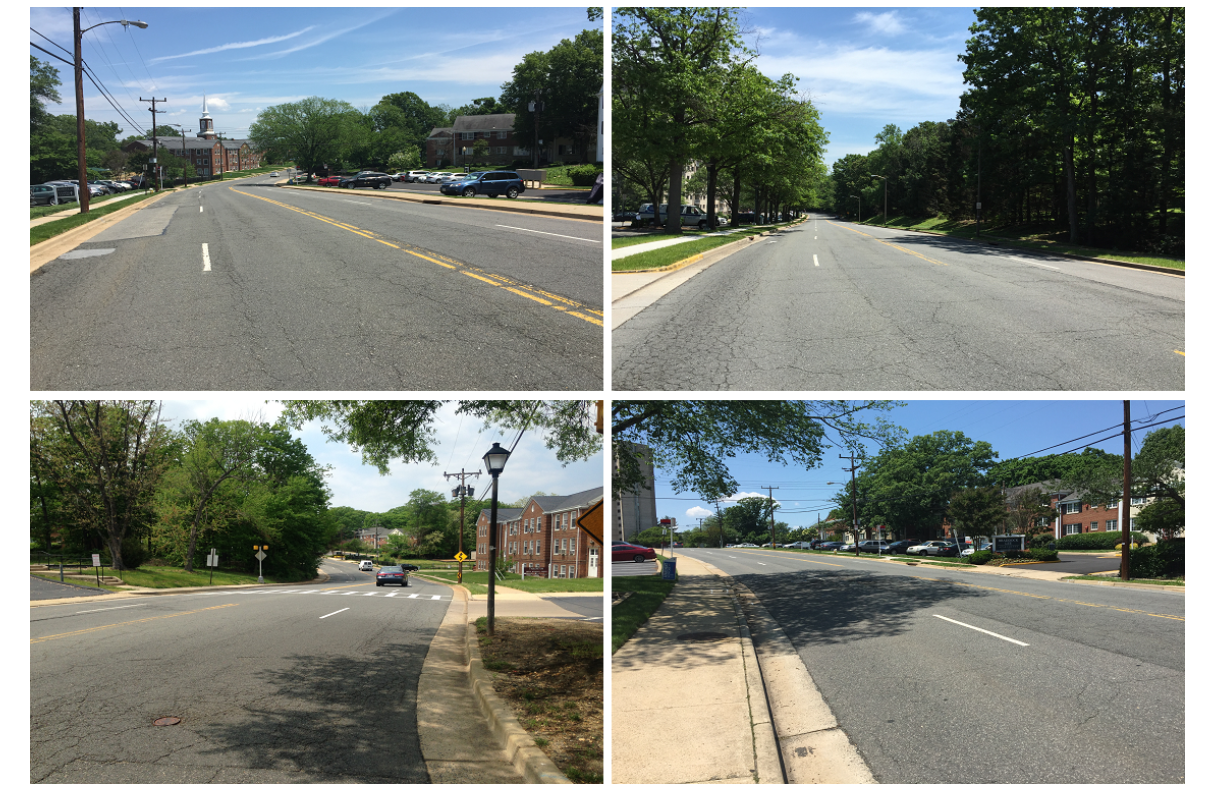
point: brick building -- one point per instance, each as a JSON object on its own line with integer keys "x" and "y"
{"x": 453, "y": 145}
{"x": 208, "y": 154}
{"x": 545, "y": 536}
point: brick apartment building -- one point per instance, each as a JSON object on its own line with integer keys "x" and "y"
{"x": 208, "y": 155}
{"x": 545, "y": 536}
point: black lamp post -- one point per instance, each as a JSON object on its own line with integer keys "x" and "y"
{"x": 494, "y": 459}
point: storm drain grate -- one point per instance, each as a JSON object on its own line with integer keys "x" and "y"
{"x": 702, "y": 636}
{"x": 167, "y": 720}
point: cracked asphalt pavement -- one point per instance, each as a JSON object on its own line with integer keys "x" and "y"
{"x": 925, "y": 672}
{"x": 267, "y": 690}
{"x": 249, "y": 286}
{"x": 833, "y": 305}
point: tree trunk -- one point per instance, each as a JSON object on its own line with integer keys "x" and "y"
{"x": 674, "y": 189}
{"x": 1072, "y": 203}
{"x": 711, "y": 194}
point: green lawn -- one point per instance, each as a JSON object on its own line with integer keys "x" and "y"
{"x": 659, "y": 258}
{"x": 44, "y": 232}
{"x": 82, "y": 581}
{"x": 635, "y": 240}
{"x": 1102, "y": 578}
{"x": 1031, "y": 237}
{"x": 476, "y": 582}
{"x": 646, "y": 594}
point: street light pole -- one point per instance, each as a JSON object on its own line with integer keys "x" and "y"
{"x": 494, "y": 459}
{"x": 855, "y": 536}
{"x": 82, "y": 173}
{"x": 858, "y": 207}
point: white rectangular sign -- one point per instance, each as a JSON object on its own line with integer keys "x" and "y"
{"x": 96, "y": 560}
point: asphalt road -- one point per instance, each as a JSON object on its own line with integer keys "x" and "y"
{"x": 291, "y": 684}
{"x": 833, "y": 305}
{"x": 252, "y": 286}
{"x": 944, "y": 676}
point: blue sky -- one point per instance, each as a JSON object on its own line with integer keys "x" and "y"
{"x": 1012, "y": 427}
{"x": 530, "y": 469}
{"x": 865, "y": 67}
{"x": 246, "y": 59}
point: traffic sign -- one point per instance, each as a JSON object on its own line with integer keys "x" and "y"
{"x": 460, "y": 557}
{"x": 260, "y": 555}
{"x": 592, "y": 521}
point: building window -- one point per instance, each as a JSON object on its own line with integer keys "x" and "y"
{"x": 468, "y": 136}
{"x": 537, "y": 547}
{"x": 1070, "y": 509}
{"x": 1072, "y": 529}
{"x": 1093, "y": 526}
{"x": 573, "y": 521}
{"x": 501, "y": 136}
{"x": 1138, "y": 501}
{"x": 572, "y": 572}
{"x": 537, "y": 523}
{"x": 573, "y": 542}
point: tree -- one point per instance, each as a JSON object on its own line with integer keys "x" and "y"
{"x": 910, "y": 486}
{"x": 568, "y": 78}
{"x": 977, "y": 511}
{"x": 748, "y": 517}
{"x": 312, "y": 131}
{"x": 43, "y": 86}
{"x": 384, "y": 430}
{"x": 405, "y": 160}
{"x": 1026, "y": 510}
{"x": 106, "y": 459}
{"x": 691, "y": 439}
{"x": 668, "y": 69}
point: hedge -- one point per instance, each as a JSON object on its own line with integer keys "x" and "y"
{"x": 1105, "y": 541}
{"x": 1163, "y": 560}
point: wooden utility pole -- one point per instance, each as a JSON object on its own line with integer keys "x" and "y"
{"x": 461, "y": 491}
{"x": 855, "y": 535}
{"x": 155, "y": 143}
{"x": 772, "y": 514}
{"x": 1126, "y": 503}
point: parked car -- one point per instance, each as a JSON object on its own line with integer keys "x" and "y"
{"x": 330, "y": 181}
{"x": 414, "y": 176}
{"x": 971, "y": 549}
{"x": 624, "y": 216}
{"x": 486, "y": 183}
{"x": 273, "y": 174}
{"x": 409, "y": 567}
{"x": 365, "y": 565}
{"x": 690, "y": 216}
{"x": 875, "y": 546}
{"x": 831, "y": 545}
{"x": 436, "y": 177}
{"x": 631, "y": 552}
{"x": 901, "y": 546}
{"x": 43, "y": 194}
{"x": 934, "y": 548}
{"x": 392, "y": 575}
{"x": 364, "y": 179}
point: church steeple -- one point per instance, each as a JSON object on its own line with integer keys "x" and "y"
{"x": 205, "y": 128}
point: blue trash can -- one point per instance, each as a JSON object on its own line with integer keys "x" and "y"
{"x": 669, "y": 569}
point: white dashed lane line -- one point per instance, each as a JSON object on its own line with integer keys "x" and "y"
{"x": 555, "y": 234}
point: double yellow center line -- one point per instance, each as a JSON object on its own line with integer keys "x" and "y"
{"x": 530, "y": 292}
{"x": 887, "y": 243}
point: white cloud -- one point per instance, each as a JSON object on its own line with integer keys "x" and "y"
{"x": 217, "y": 102}
{"x": 887, "y": 23}
{"x": 740, "y": 496}
{"x": 692, "y": 513}
{"x": 235, "y": 45}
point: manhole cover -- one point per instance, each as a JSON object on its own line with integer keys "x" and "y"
{"x": 167, "y": 720}
{"x": 702, "y": 636}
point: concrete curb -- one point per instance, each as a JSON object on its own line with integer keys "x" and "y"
{"x": 770, "y": 768}
{"x": 1009, "y": 245}
{"x": 519, "y": 747}
{"x": 1134, "y": 585}
{"x": 583, "y": 215}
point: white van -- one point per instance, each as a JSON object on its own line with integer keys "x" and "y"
{"x": 366, "y": 565}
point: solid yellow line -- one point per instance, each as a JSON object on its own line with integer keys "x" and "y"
{"x": 431, "y": 260}
{"x": 586, "y": 318}
{"x": 480, "y": 277}
{"x": 908, "y": 251}
{"x": 1181, "y": 352}
{"x": 125, "y": 623}
{"x": 1035, "y": 596}
{"x": 528, "y": 296}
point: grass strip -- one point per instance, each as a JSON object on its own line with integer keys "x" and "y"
{"x": 79, "y": 581}
{"x": 636, "y": 240}
{"x": 1027, "y": 238}
{"x": 659, "y": 258}
{"x": 1179, "y": 583}
{"x": 51, "y": 229}
{"x": 646, "y": 594}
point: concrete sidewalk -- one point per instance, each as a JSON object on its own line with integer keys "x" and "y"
{"x": 687, "y": 702}
{"x": 626, "y": 251}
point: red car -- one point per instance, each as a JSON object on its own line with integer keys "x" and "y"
{"x": 333, "y": 181}
{"x": 629, "y": 552}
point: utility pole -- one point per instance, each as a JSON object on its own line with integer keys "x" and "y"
{"x": 155, "y": 143}
{"x": 536, "y": 106}
{"x": 721, "y": 529}
{"x": 855, "y": 536}
{"x": 184, "y": 157}
{"x": 461, "y": 491}
{"x": 1126, "y": 502}
{"x": 772, "y": 514}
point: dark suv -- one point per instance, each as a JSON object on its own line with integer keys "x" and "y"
{"x": 366, "y": 179}
{"x": 487, "y": 183}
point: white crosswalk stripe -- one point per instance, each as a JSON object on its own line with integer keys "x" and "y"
{"x": 305, "y": 591}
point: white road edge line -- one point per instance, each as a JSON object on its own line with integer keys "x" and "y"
{"x": 103, "y": 609}
{"x": 206, "y": 257}
{"x": 332, "y": 614}
{"x": 555, "y": 234}
{"x": 988, "y": 632}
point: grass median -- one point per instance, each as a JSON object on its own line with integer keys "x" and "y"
{"x": 1029, "y": 237}
{"x": 646, "y": 593}
{"x": 660, "y": 258}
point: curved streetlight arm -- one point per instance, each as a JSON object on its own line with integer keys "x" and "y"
{"x": 123, "y": 23}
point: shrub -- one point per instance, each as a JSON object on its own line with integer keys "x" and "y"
{"x": 583, "y": 175}
{"x": 1043, "y": 555}
{"x": 134, "y": 553}
{"x": 1103, "y": 541}
{"x": 1158, "y": 561}
{"x": 980, "y": 557}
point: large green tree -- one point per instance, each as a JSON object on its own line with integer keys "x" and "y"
{"x": 690, "y": 440}
{"x": 313, "y": 132}
{"x": 748, "y": 517}
{"x": 977, "y": 511}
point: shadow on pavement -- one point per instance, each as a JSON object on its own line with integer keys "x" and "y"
{"x": 836, "y": 607}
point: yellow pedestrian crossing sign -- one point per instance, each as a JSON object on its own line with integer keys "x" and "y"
{"x": 461, "y": 557}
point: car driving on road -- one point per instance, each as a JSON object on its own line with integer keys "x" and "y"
{"x": 392, "y": 575}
